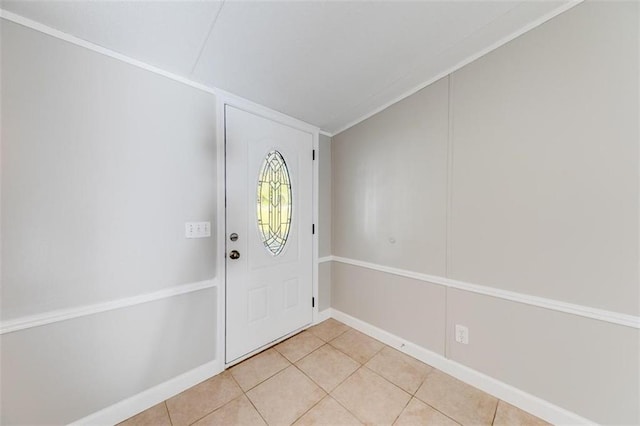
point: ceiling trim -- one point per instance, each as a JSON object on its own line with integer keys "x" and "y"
{"x": 464, "y": 62}
{"x": 20, "y": 20}
{"x": 26, "y": 22}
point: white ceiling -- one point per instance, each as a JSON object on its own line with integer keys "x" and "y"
{"x": 328, "y": 63}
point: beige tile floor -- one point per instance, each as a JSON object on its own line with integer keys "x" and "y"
{"x": 332, "y": 374}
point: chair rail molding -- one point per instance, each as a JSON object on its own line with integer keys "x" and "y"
{"x": 49, "y": 317}
{"x": 542, "y": 302}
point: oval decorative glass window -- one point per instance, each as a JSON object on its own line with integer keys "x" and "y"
{"x": 274, "y": 202}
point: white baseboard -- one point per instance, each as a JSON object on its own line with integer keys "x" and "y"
{"x": 324, "y": 315}
{"x": 527, "y": 402}
{"x": 545, "y": 410}
{"x": 124, "y": 409}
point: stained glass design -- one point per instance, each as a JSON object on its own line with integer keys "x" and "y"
{"x": 274, "y": 202}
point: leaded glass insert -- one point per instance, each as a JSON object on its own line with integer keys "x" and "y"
{"x": 274, "y": 202}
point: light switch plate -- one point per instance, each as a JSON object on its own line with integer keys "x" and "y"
{"x": 197, "y": 229}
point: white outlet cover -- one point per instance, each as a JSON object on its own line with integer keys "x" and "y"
{"x": 462, "y": 334}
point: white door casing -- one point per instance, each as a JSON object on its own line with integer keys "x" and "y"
{"x": 267, "y": 296}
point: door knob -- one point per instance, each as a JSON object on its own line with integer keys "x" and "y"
{"x": 235, "y": 254}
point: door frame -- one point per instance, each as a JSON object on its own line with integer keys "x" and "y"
{"x": 223, "y": 99}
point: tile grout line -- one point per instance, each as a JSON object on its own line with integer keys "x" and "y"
{"x": 285, "y": 358}
{"x": 361, "y": 365}
{"x": 254, "y": 406}
{"x": 327, "y": 343}
{"x": 250, "y": 401}
{"x": 429, "y": 405}
{"x": 220, "y": 407}
{"x": 412, "y": 394}
{"x": 319, "y": 347}
{"x": 373, "y": 372}
{"x": 291, "y": 364}
{"x": 333, "y": 338}
{"x": 264, "y": 380}
{"x": 166, "y": 408}
{"x": 402, "y": 411}
{"x": 326, "y": 394}
{"x": 213, "y": 411}
{"x": 341, "y": 404}
{"x": 387, "y": 380}
{"x": 423, "y": 380}
{"x": 376, "y": 353}
{"x": 434, "y": 408}
{"x": 495, "y": 413}
{"x": 312, "y": 381}
{"x": 425, "y": 402}
{"x": 168, "y": 411}
{"x": 444, "y": 414}
{"x": 306, "y": 355}
{"x": 336, "y": 386}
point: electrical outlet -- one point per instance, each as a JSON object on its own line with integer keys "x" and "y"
{"x": 462, "y": 334}
{"x": 197, "y": 229}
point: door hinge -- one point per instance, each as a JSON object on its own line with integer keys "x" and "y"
{"x": 313, "y": 155}
{"x": 313, "y": 229}
{"x": 313, "y": 302}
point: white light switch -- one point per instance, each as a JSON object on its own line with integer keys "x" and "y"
{"x": 197, "y": 229}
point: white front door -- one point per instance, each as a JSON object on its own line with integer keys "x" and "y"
{"x": 269, "y": 182}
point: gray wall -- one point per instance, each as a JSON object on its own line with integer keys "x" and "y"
{"x": 389, "y": 181}
{"x": 411, "y": 309}
{"x": 545, "y": 162}
{"x": 324, "y": 195}
{"x": 64, "y": 371}
{"x": 102, "y": 163}
{"x": 324, "y": 222}
{"x": 587, "y": 366}
{"x": 517, "y": 172}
